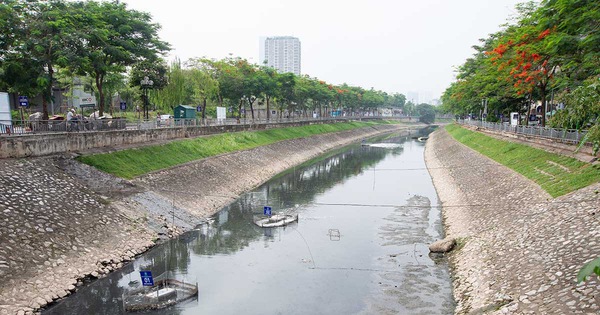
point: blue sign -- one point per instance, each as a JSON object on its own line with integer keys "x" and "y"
{"x": 23, "y": 101}
{"x": 123, "y": 106}
{"x": 199, "y": 108}
{"x": 147, "y": 279}
{"x": 267, "y": 211}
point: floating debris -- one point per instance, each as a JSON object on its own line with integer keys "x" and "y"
{"x": 276, "y": 220}
{"x": 165, "y": 293}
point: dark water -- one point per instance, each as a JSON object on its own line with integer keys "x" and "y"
{"x": 376, "y": 196}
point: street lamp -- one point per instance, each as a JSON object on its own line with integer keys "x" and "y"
{"x": 146, "y": 84}
{"x": 484, "y": 103}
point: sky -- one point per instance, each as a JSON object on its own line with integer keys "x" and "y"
{"x": 409, "y": 47}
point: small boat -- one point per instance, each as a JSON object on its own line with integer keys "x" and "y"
{"x": 423, "y": 139}
{"x": 276, "y": 220}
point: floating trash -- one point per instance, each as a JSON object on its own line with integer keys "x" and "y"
{"x": 275, "y": 220}
{"x": 164, "y": 293}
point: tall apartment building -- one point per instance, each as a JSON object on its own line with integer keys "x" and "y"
{"x": 282, "y": 53}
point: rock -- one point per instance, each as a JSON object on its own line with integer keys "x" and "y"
{"x": 443, "y": 246}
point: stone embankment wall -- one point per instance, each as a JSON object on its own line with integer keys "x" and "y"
{"x": 32, "y": 145}
{"x": 520, "y": 250}
{"x": 62, "y": 221}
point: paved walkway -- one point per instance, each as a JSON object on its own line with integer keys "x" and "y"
{"x": 522, "y": 249}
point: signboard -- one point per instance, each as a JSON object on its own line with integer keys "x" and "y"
{"x": 87, "y": 100}
{"x": 267, "y": 211}
{"x": 5, "y": 117}
{"x": 123, "y": 106}
{"x": 147, "y": 279}
{"x": 23, "y": 101}
{"x": 221, "y": 112}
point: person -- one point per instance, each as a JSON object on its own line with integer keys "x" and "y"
{"x": 71, "y": 119}
{"x": 69, "y": 115}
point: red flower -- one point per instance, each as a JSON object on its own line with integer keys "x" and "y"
{"x": 544, "y": 34}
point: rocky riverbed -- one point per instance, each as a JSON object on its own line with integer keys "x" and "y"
{"x": 519, "y": 249}
{"x": 63, "y": 223}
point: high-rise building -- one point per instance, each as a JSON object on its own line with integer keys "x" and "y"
{"x": 282, "y": 53}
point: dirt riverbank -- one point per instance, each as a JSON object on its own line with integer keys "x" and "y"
{"x": 62, "y": 222}
{"x": 519, "y": 249}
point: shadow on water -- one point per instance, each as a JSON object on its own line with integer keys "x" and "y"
{"x": 300, "y": 269}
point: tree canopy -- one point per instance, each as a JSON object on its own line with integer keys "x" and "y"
{"x": 550, "y": 50}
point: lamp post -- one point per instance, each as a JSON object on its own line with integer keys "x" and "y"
{"x": 484, "y": 103}
{"x": 146, "y": 83}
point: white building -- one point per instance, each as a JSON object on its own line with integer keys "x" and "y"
{"x": 282, "y": 53}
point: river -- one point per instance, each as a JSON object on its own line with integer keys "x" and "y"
{"x": 366, "y": 216}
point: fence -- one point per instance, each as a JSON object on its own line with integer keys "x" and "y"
{"x": 90, "y": 125}
{"x": 49, "y": 126}
{"x": 564, "y": 135}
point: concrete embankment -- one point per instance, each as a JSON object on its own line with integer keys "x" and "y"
{"x": 519, "y": 249}
{"x": 62, "y": 222}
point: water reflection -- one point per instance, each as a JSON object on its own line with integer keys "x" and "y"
{"x": 240, "y": 267}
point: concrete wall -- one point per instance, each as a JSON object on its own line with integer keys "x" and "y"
{"x": 18, "y": 146}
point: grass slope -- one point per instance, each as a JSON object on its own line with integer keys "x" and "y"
{"x": 556, "y": 174}
{"x": 138, "y": 161}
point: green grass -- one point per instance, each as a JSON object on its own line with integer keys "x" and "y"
{"x": 556, "y": 174}
{"x": 131, "y": 163}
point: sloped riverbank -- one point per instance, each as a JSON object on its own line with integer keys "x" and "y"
{"x": 62, "y": 222}
{"x": 520, "y": 249}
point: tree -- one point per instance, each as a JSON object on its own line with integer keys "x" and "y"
{"x": 426, "y": 113}
{"x": 177, "y": 90}
{"x": 115, "y": 37}
{"x": 285, "y": 90}
{"x": 582, "y": 111}
{"x": 10, "y": 26}
{"x": 575, "y": 39}
{"x": 269, "y": 83}
{"x": 204, "y": 85}
{"x": 47, "y": 40}
{"x": 231, "y": 82}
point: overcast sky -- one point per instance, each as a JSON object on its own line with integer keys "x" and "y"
{"x": 395, "y": 46}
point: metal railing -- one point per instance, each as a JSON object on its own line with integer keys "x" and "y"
{"x": 53, "y": 126}
{"x": 92, "y": 125}
{"x": 564, "y": 135}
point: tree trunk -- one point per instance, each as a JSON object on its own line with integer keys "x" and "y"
{"x": 203, "y": 108}
{"x": 101, "y": 95}
{"x": 268, "y": 108}
{"x": 48, "y": 97}
{"x": 543, "y": 93}
{"x": 251, "y": 102}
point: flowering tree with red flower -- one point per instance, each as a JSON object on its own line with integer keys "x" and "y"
{"x": 524, "y": 58}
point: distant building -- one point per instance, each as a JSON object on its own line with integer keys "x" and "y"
{"x": 282, "y": 53}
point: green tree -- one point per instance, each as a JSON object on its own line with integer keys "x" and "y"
{"x": 176, "y": 92}
{"x": 286, "y": 83}
{"x": 426, "y": 113}
{"x": 269, "y": 79}
{"x": 204, "y": 85}
{"x": 114, "y": 38}
{"x": 46, "y": 41}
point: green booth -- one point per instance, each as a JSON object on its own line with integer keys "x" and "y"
{"x": 184, "y": 112}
